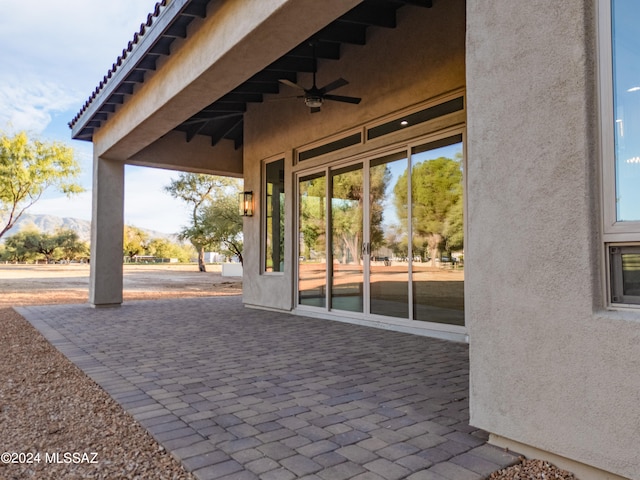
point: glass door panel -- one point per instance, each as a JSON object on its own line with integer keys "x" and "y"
{"x": 395, "y": 232}
{"x": 347, "y": 186}
{"x": 388, "y": 236}
{"x": 437, "y": 231}
{"x": 312, "y": 260}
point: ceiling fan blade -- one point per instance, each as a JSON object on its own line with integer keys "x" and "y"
{"x": 341, "y": 98}
{"x": 341, "y": 82}
{"x": 314, "y": 109}
{"x": 289, "y": 83}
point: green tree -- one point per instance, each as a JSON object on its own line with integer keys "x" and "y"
{"x": 42, "y": 243}
{"x": 312, "y": 216}
{"x": 347, "y": 209}
{"x": 134, "y": 241}
{"x": 19, "y": 246}
{"x": 453, "y": 231}
{"x": 163, "y": 248}
{"x": 436, "y": 192}
{"x": 198, "y": 191}
{"x": 69, "y": 245}
{"x": 31, "y": 243}
{"x": 27, "y": 169}
{"x": 220, "y": 217}
{"x": 346, "y": 215}
{"x": 397, "y": 241}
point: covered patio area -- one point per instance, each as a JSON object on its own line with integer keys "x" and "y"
{"x": 241, "y": 393}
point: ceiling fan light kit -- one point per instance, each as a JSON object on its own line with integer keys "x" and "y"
{"x": 312, "y": 101}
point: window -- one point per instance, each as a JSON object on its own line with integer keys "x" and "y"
{"x": 626, "y": 103}
{"x": 430, "y": 113}
{"x": 625, "y": 274}
{"x": 339, "y": 144}
{"x": 620, "y": 108}
{"x": 274, "y": 210}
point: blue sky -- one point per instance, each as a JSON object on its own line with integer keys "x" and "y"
{"x": 53, "y": 56}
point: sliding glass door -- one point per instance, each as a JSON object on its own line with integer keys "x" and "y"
{"x": 388, "y": 236}
{"x": 312, "y": 235}
{"x": 384, "y": 236}
{"x": 347, "y": 236}
{"x": 437, "y": 232}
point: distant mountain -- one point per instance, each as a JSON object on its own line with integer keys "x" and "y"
{"x": 51, "y": 223}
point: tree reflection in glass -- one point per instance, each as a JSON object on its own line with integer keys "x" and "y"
{"x": 389, "y": 267}
{"x": 346, "y": 242}
{"x": 312, "y": 261}
{"x": 437, "y": 231}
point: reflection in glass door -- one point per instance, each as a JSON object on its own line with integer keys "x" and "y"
{"x": 312, "y": 259}
{"x": 390, "y": 242}
{"x": 388, "y": 236}
{"x": 347, "y": 186}
{"x": 437, "y": 231}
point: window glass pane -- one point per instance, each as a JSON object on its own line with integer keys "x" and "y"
{"x": 438, "y": 232}
{"x": 312, "y": 261}
{"x": 346, "y": 242}
{"x": 625, "y": 274}
{"x": 274, "y": 231}
{"x": 626, "y": 86}
{"x": 389, "y": 231}
{"x": 631, "y": 274}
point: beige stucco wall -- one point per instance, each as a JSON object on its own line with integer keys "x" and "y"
{"x": 173, "y": 152}
{"x": 547, "y": 369}
{"x": 420, "y": 59}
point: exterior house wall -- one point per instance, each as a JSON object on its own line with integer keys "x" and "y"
{"x": 420, "y": 59}
{"x": 549, "y": 368}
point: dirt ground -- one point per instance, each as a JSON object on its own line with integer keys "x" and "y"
{"x": 48, "y": 405}
{"x": 47, "y": 284}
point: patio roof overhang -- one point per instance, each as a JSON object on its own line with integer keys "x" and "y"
{"x": 222, "y": 118}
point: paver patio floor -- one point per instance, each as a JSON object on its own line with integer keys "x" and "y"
{"x": 237, "y": 393}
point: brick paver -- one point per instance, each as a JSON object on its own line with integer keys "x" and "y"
{"x": 241, "y": 393}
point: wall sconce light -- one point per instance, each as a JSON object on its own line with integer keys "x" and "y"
{"x": 245, "y": 204}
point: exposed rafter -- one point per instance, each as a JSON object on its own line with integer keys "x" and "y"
{"x": 223, "y": 119}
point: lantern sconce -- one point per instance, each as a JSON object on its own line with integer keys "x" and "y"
{"x": 245, "y": 203}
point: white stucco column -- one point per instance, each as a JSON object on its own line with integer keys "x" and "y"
{"x": 105, "y": 287}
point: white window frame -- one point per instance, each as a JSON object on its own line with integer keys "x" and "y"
{"x": 614, "y": 232}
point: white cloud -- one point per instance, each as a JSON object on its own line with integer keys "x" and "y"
{"x": 28, "y": 103}
{"x": 54, "y": 54}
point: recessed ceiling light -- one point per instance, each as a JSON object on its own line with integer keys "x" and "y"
{"x": 404, "y": 123}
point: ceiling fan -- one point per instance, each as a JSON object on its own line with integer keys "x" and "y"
{"x": 314, "y": 97}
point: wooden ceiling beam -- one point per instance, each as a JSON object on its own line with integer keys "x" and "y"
{"x": 372, "y": 15}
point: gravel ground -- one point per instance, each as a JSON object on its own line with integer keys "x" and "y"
{"x": 50, "y": 407}
{"x": 532, "y": 470}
